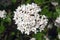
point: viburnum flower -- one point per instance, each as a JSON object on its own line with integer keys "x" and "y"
{"x": 33, "y": 39}
{"x": 54, "y": 3}
{"x": 27, "y": 18}
{"x": 2, "y": 14}
{"x": 57, "y": 22}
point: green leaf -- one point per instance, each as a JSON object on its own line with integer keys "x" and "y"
{"x": 46, "y": 12}
{"x": 58, "y": 29}
{"x": 55, "y": 15}
{"x": 8, "y": 19}
{"x": 28, "y": 1}
{"x": 13, "y": 1}
{"x": 12, "y": 33}
{"x": 39, "y": 1}
{"x": 2, "y": 28}
{"x": 58, "y": 10}
{"x": 38, "y": 36}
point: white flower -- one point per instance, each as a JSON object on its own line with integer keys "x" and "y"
{"x": 49, "y": 26}
{"x": 43, "y": 22}
{"x": 2, "y": 14}
{"x": 54, "y": 3}
{"x": 27, "y": 18}
{"x": 59, "y": 36}
{"x": 57, "y": 22}
{"x": 33, "y": 39}
{"x": 46, "y": 37}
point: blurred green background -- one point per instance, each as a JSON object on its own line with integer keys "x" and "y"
{"x": 8, "y": 29}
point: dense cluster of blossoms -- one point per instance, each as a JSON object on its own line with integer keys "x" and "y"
{"x": 2, "y": 14}
{"x": 27, "y": 18}
{"x": 57, "y": 22}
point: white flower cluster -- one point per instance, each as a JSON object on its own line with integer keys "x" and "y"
{"x": 59, "y": 36}
{"x": 42, "y": 22}
{"x": 27, "y": 18}
{"x": 54, "y": 3}
{"x": 46, "y": 38}
{"x": 57, "y": 22}
{"x": 2, "y": 14}
{"x": 33, "y": 39}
